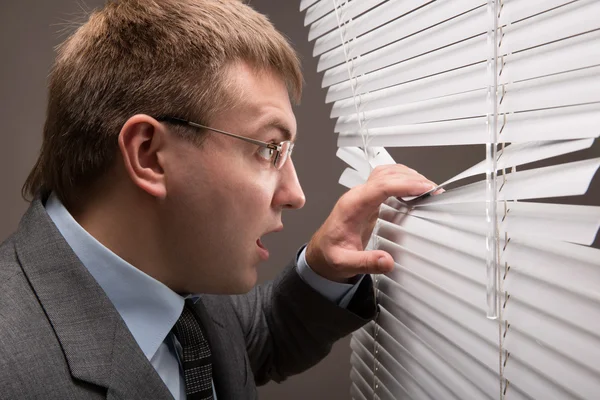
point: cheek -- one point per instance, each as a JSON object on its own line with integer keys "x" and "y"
{"x": 224, "y": 189}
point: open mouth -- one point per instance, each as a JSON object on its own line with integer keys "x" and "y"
{"x": 262, "y": 250}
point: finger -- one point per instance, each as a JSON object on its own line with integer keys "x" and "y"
{"x": 372, "y": 195}
{"x": 396, "y": 169}
{"x": 353, "y": 262}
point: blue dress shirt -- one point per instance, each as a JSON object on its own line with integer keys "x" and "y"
{"x": 149, "y": 308}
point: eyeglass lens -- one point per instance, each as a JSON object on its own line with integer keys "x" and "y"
{"x": 286, "y": 149}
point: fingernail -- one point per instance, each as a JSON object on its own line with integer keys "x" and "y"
{"x": 380, "y": 262}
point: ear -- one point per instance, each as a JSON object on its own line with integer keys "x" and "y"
{"x": 142, "y": 141}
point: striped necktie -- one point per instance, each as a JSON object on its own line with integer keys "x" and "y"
{"x": 196, "y": 355}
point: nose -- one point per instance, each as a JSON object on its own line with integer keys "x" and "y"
{"x": 289, "y": 193}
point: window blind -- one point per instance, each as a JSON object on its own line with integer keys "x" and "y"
{"x": 494, "y": 294}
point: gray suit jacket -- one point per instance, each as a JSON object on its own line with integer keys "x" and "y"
{"x": 62, "y": 338}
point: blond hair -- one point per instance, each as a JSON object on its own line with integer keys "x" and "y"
{"x": 156, "y": 57}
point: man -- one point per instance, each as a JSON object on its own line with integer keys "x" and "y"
{"x": 166, "y": 158}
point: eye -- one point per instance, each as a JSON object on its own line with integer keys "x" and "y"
{"x": 266, "y": 153}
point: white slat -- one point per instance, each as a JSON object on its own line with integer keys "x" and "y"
{"x": 551, "y": 124}
{"x": 564, "y": 372}
{"x": 570, "y": 223}
{"x": 362, "y": 385}
{"x": 445, "y": 370}
{"x": 389, "y": 370}
{"x": 347, "y": 11}
{"x": 517, "y": 154}
{"x": 425, "y": 18}
{"x": 382, "y": 380}
{"x": 455, "y": 30}
{"x": 576, "y": 87}
{"x": 462, "y": 54}
{"x": 414, "y": 244}
{"x": 581, "y": 364}
{"x": 356, "y": 393}
{"x": 572, "y": 19}
{"x": 569, "y": 54}
{"x": 545, "y": 28}
{"x": 318, "y": 10}
{"x": 404, "y": 24}
{"x": 304, "y": 4}
{"x": 351, "y": 178}
{"x": 570, "y": 179}
{"x": 434, "y": 388}
{"x": 530, "y": 286}
{"x": 575, "y": 18}
{"x": 379, "y": 16}
{"x": 365, "y": 372}
{"x": 464, "y": 360}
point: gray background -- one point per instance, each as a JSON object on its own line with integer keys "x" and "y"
{"x": 29, "y": 30}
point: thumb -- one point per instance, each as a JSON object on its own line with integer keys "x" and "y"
{"x": 365, "y": 262}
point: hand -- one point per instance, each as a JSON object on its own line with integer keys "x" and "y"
{"x": 337, "y": 250}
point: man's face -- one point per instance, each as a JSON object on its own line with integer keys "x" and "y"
{"x": 223, "y": 197}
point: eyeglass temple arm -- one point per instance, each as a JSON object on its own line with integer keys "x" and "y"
{"x": 195, "y": 125}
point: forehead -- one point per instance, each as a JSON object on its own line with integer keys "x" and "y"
{"x": 261, "y": 99}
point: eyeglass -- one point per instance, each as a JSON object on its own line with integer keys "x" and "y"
{"x": 278, "y": 153}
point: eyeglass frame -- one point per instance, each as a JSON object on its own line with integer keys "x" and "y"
{"x": 277, "y": 147}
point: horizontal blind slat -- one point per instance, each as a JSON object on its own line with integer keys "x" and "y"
{"x": 570, "y": 223}
{"x": 304, "y": 4}
{"x": 413, "y": 245}
{"x": 351, "y": 178}
{"x": 347, "y": 11}
{"x": 416, "y": 23}
{"x": 550, "y": 124}
{"x": 528, "y": 184}
{"x": 518, "y": 154}
{"x": 362, "y": 385}
{"x": 457, "y": 81}
{"x": 575, "y": 87}
{"x": 366, "y": 373}
{"x": 518, "y": 37}
{"x": 564, "y": 338}
{"x": 557, "y": 348}
{"x": 524, "y": 378}
{"x": 376, "y": 17}
{"x": 572, "y": 19}
{"x": 456, "y": 30}
{"x": 468, "y": 361}
{"x": 356, "y": 393}
{"x": 434, "y": 387}
{"x": 460, "y": 55}
{"x": 381, "y": 374}
{"x": 569, "y": 54}
{"x": 387, "y": 32}
{"x": 396, "y": 376}
{"x": 317, "y": 11}
{"x": 458, "y": 303}
{"x": 443, "y": 369}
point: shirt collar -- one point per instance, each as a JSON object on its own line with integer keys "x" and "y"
{"x": 149, "y": 308}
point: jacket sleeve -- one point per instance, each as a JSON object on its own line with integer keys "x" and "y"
{"x": 289, "y": 327}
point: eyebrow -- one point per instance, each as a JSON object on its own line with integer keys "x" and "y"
{"x": 283, "y": 129}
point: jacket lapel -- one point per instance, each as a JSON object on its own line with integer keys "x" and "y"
{"x": 98, "y": 347}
